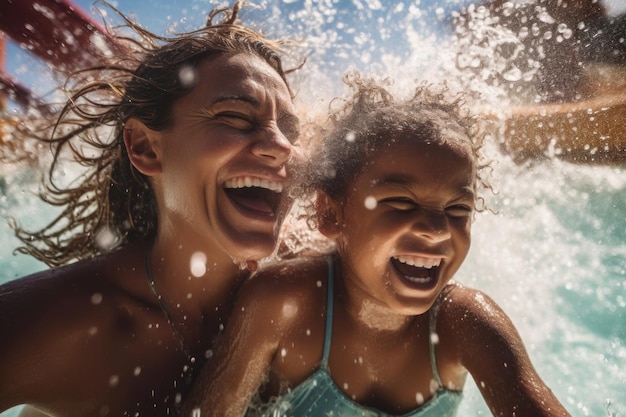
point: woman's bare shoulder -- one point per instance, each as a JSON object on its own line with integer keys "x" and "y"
{"x": 93, "y": 276}
{"x": 60, "y": 313}
{"x": 70, "y": 299}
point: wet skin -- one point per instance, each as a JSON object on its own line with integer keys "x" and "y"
{"x": 394, "y": 258}
{"x": 400, "y": 252}
{"x": 90, "y": 339}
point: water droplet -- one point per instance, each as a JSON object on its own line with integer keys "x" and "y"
{"x": 289, "y": 309}
{"x": 187, "y": 76}
{"x": 197, "y": 264}
{"x": 96, "y": 298}
{"x": 137, "y": 370}
{"x": 370, "y": 202}
{"x": 114, "y": 380}
{"x": 434, "y": 386}
{"x": 514, "y": 74}
{"x": 107, "y": 238}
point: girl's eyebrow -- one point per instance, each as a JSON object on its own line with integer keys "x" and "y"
{"x": 395, "y": 180}
{"x": 410, "y": 183}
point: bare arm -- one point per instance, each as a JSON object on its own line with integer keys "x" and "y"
{"x": 490, "y": 348}
{"x": 242, "y": 356}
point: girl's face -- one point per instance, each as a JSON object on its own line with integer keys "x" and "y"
{"x": 224, "y": 159}
{"x": 405, "y": 224}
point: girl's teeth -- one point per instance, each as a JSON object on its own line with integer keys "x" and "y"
{"x": 418, "y": 261}
{"x": 242, "y": 182}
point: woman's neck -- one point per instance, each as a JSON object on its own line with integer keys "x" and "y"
{"x": 195, "y": 286}
{"x": 192, "y": 273}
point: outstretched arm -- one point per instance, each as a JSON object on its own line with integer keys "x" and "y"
{"x": 491, "y": 349}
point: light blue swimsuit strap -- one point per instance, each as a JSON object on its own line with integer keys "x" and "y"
{"x": 329, "y": 312}
{"x": 432, "y": 333}
{"x": 432, "y": 320}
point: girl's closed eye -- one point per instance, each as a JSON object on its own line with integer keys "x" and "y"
{"x": 399, "y": 203}
{"x": 459, "y": 210}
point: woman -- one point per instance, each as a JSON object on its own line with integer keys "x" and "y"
{"x": 187, "y": 191}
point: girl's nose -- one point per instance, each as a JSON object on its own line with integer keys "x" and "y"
{"x": 272, "y": 146}
{"x": 432, "y": 226}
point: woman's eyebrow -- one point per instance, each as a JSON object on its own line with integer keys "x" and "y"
{"x": 241, "y": 98}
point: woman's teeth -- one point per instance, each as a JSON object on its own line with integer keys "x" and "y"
{"x": 243, "y": 182}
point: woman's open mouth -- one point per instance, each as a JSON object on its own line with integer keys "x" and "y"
{"x": 255, "y": 196}
{"x": 417, "y": 272}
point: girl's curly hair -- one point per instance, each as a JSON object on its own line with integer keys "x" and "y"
{"x": 372, "y": 118}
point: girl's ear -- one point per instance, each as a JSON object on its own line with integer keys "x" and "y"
{"x": 328, "y": 214}
{"x": 142, "y": 146}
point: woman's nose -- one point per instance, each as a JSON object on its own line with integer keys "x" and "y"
{"x": 272, "y": 146}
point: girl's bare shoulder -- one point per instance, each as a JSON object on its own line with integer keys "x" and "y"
{"x": 459, "y": 303}
{"x": 476, "y": 325}
{"x": 287, "y": 290}
{"x": 292, "y": 274}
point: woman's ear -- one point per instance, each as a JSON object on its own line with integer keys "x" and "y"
{"x": 328, "y": 214}
{"x": 142, "y": 146}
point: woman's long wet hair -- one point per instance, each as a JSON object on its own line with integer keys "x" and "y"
{"x": 111, "y": 204}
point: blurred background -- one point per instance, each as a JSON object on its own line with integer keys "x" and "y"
{"x": 551, "y": 75}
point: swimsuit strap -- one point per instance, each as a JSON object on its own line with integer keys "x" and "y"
{"x": 432, "y": 340}
{"x": 329, "y": 313}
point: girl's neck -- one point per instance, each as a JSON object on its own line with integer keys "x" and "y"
{"x": 365, "y": 313}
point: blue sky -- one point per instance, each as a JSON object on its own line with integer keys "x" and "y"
{"x": 344, "y": 33}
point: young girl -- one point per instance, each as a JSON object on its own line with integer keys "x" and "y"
{"x": 378, "y": 328}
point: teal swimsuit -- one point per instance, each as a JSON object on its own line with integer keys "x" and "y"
{"x": 319, "y": 396}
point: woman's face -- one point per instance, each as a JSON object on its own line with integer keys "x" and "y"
{"x": 224, "y": 173}
{"x": 405, "y": 224}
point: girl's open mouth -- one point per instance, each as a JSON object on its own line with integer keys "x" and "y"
{"x": 416, "y": 274}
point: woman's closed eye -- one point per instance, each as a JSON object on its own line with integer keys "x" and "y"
{"x": 237, "y": 120}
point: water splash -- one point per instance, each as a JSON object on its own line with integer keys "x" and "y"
{"x": 553, "y": 256}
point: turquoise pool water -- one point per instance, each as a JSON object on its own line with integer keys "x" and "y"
{"x": 554, "y": 254}
{"x": 554, "y": 257}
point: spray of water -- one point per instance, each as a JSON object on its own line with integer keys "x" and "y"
{"x": 553, "y": 253}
